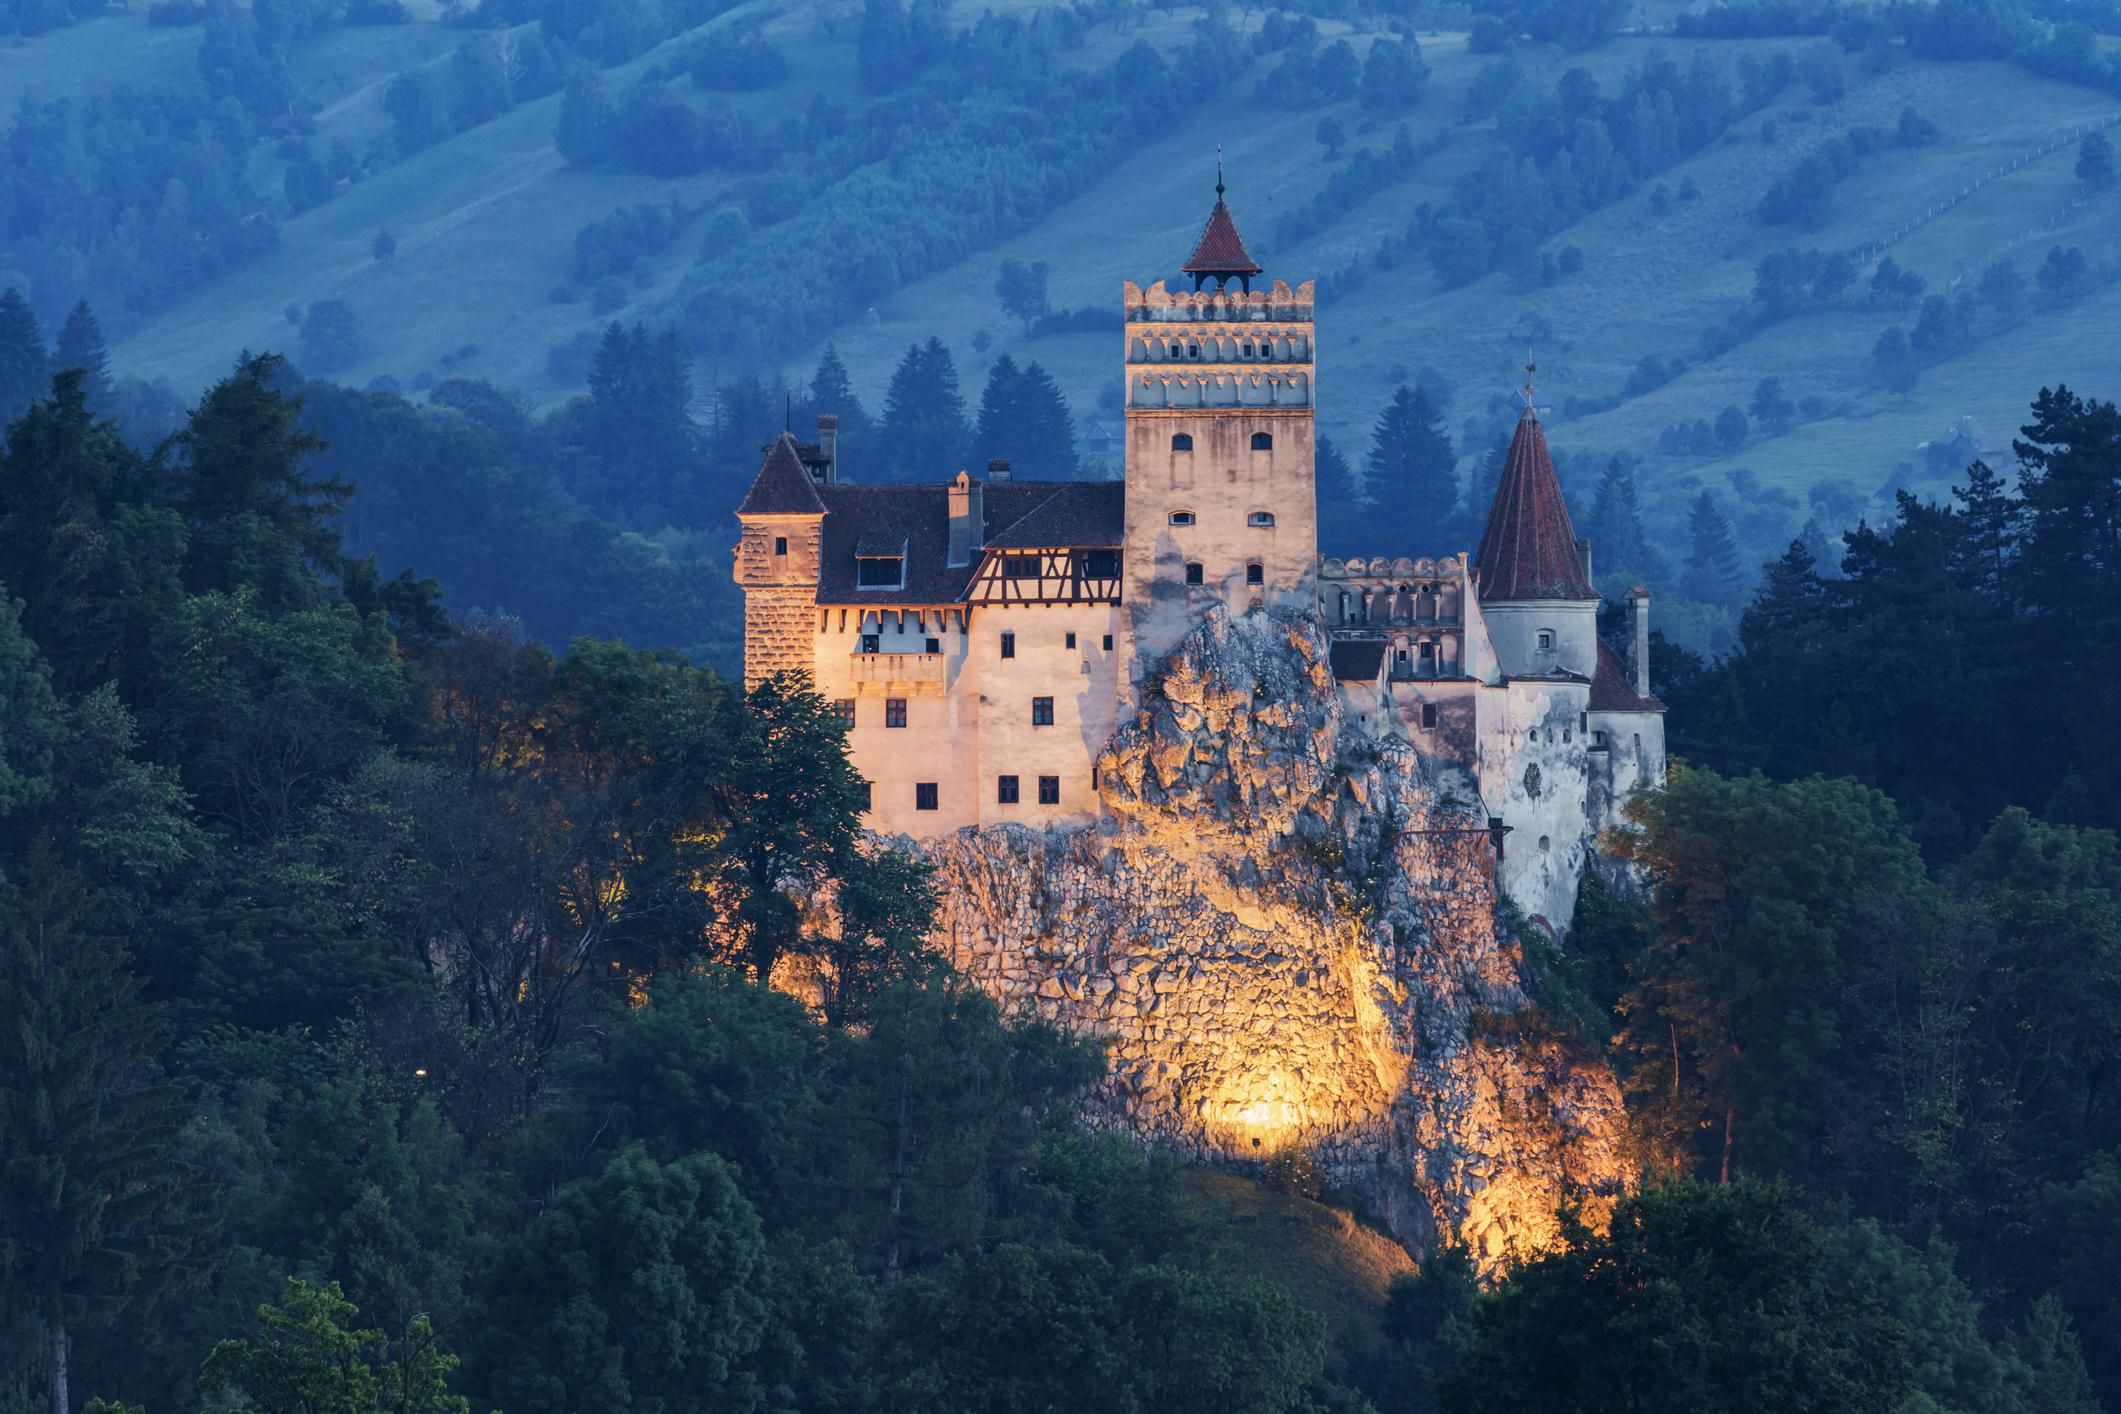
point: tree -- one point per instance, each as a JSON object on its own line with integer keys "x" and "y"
{"x": 308, "y": 1359}
{"x": 1024, "y": 417}
{"x": 2095, "y": 161}
{"x": 2064, "y": 273}
{"x": 1331, "y": 136}
{"x": 419, "y": 115}
{"x": 923, "y": 432}
{"x": 887, "y": 903}
{"x": 1894, "y": 359}
{"x": 384, "y": 248}
{"x": 790, "y": 804}
{"x": 24, "y": 365}
{"x": 2001, "y": 285}
{"x": 1624, "y": 551}
{"x": 885, "y": 46}
{"x": 1336, "y": 71}
{"x": 1410, "y": 474}
{"x": 90, "y": 1212}
{"x": 1341, "y": 522}
{"x": 832, "y": 391}
{"x": 1021, "y": 289}
{"x": 1393, "y": 75}
{"x": 1732, "y": 428}
{"x": 1695, "y": 1298}
{"x": 331, "y": 337}
{"x": 1761, "y": 895}
{"x": 637, "y": 444}
{"x": 1713, "y": 573}
{"x": 1770, "y": 407}
{"x": 638, "y": 1288}
{"x": 81, "y": 346}
{"x": 583, "y": 132}
{"x": 1936, "y": 330}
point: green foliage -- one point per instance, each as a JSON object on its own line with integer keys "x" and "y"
{"x": 1024, "y": 417}
{"x": 309, "y": 1358}
{"x": 1409, "y": 477}
{"x": 1291, "y": 1170}
{"x": 1697, "y": 1297}
{"x": 1021, "y": 288}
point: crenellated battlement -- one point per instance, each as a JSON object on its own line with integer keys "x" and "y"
{"x": 1279, "y": 300}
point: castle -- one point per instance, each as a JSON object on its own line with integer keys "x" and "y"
{"x": 983, "y": 637}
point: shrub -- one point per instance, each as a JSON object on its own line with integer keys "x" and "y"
{"x": 331, "y": 337}
{"x": 1292, "y": 1170}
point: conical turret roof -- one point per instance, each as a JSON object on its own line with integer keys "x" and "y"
{"x": 1220, "y": 250}
{"x": 782, "y": 487}
{"x": 1528, "y": 550}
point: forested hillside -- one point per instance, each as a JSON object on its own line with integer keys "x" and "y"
{"x": 1779, "y": 259}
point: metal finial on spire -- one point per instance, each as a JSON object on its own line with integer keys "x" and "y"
{"x": 1530, "y": 368}
{"x": 1218, "y": 171}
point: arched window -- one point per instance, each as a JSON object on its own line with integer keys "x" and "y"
{"x": 1255, "y": 573}
{"x": 1181, "y": 517}
{"x": 1262, "y": 441}
{"x": 1182, "y": 441}
{"x": 1193, "y": 574}
{"x": 1262, "y": 519}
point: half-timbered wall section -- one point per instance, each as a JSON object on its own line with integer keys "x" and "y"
{"x": 1047, "y": 577}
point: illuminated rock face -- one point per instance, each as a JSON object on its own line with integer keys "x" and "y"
{"x": 1285, "y": 932}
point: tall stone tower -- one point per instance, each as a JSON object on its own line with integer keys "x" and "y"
{"x": 782, "y": 520}
{"x": 1221, "y": 492}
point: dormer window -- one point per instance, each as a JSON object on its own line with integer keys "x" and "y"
{"x": 1181, "y": 517}
{"x": 1262, "y": 520}
{"x": 1182, "y": 441}
{"x": 880, "y": 572}
{"x": 1262, "y": 441}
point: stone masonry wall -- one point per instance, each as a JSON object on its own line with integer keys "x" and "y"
{"x": 1286, "y": 933}
{"x": 780, "y": 630}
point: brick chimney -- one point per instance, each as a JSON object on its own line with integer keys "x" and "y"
{"x": 968, "y": 518}
{"x": 998, "y": 469}
{"x": 828, "y": 441}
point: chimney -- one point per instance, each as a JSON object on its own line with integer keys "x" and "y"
{"x": 1583, "y": 553}
{"x": 968, "y": 518}
{"x": 1639, "y": 639}
{"x": 998, "y": 469}
{"x": 828, "y": 441}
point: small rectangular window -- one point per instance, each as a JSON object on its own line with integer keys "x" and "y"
{"x": 935, "y": 645}
{"x": 1008, "y": 644}
{"x": 1255, "y": 574}
{"x": 894, "y": 711}
{"x": 1041, "y": 711}
{"x": 868, "y": 797}
{"x": 1108, "y": 643}
{"x": 1546, "y": 638}
{"x": 1005, "y": 789}
{"x": 1428, "y": 714}
{"x": 780, "y": 544}
{"x": 1049, "y": 790}
{"x": 925, "y": 796}
{"x": 1101, "y": 564}
{"x": 1020, "y": 566}
{"x": 845, "y": 708}
{"x": 1193, "y": 573}
{"x": 872, "y": 643}
{"x": 1071, "y": 640}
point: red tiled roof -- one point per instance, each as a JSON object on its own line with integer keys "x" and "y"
{"x": 782, "y": 487}
{"x": 1613, "y": 689}
{"x": 918, "y": 517}
{"x": 1528, "y": 550}
{"x": 1221, "y": 251}
{"x": 1078, "y": 515}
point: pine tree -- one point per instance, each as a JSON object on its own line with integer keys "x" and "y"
{"x": 832, "y": 391}
{"x": 1341, "y": 517}
{"x": 1991, "y": 517}
{"x": 1714, "y": 573}
{"x": 997, "y": 433}
{"x": 1410, "y": 474}
{"x": 923, "y": 436}
{"x": 1048, "y": 428}
{"x": 1479, "y": 500}
{"x": 885, "y": 47}
{"x": 81, "y": 346}
{"x": 24, "y": 364}
{"x": 641, "y": 434}
{"x": 1615, "y": 526}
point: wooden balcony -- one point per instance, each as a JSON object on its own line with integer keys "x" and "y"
{"x": 907, "y": 670}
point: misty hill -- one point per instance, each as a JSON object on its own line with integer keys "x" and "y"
{"x": 779, "y": 175}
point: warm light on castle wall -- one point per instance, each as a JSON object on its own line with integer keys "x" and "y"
{"x": 1259, "y": 1110}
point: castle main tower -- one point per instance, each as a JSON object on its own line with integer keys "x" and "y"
{"x": 1221, "y": 492}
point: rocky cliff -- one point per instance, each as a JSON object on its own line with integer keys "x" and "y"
{"x": 1287, "y": 934}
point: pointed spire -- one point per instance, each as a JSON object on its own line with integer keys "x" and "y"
{"x": 1220, "y": 253}
{"x": 1528, "y": 550}
{"x": 782, "y": 487}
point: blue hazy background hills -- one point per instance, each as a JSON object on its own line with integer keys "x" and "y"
{"x": 1774, "y": 260}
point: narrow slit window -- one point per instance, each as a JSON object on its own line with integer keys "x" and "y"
{"x": 1428, "y": 714}
{"x": 1008, "y": 644}
{"x": 1071, "y": 640}
{"x": 780, "y": 544}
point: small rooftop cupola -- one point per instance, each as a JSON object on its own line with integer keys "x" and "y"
{"x": 1220, "y": 254}
{"x": 1528, "y": 550}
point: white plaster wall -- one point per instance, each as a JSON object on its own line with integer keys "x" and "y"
{"x": 1633, "y": 760}
{"x": 941, "y": 732}
{"x": 1537, "y": 724}
{"x": 1514, "y": 628}
{"x": 1083, "y": 682}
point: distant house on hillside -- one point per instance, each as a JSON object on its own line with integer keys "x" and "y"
{"x": 1963, "y": 443}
